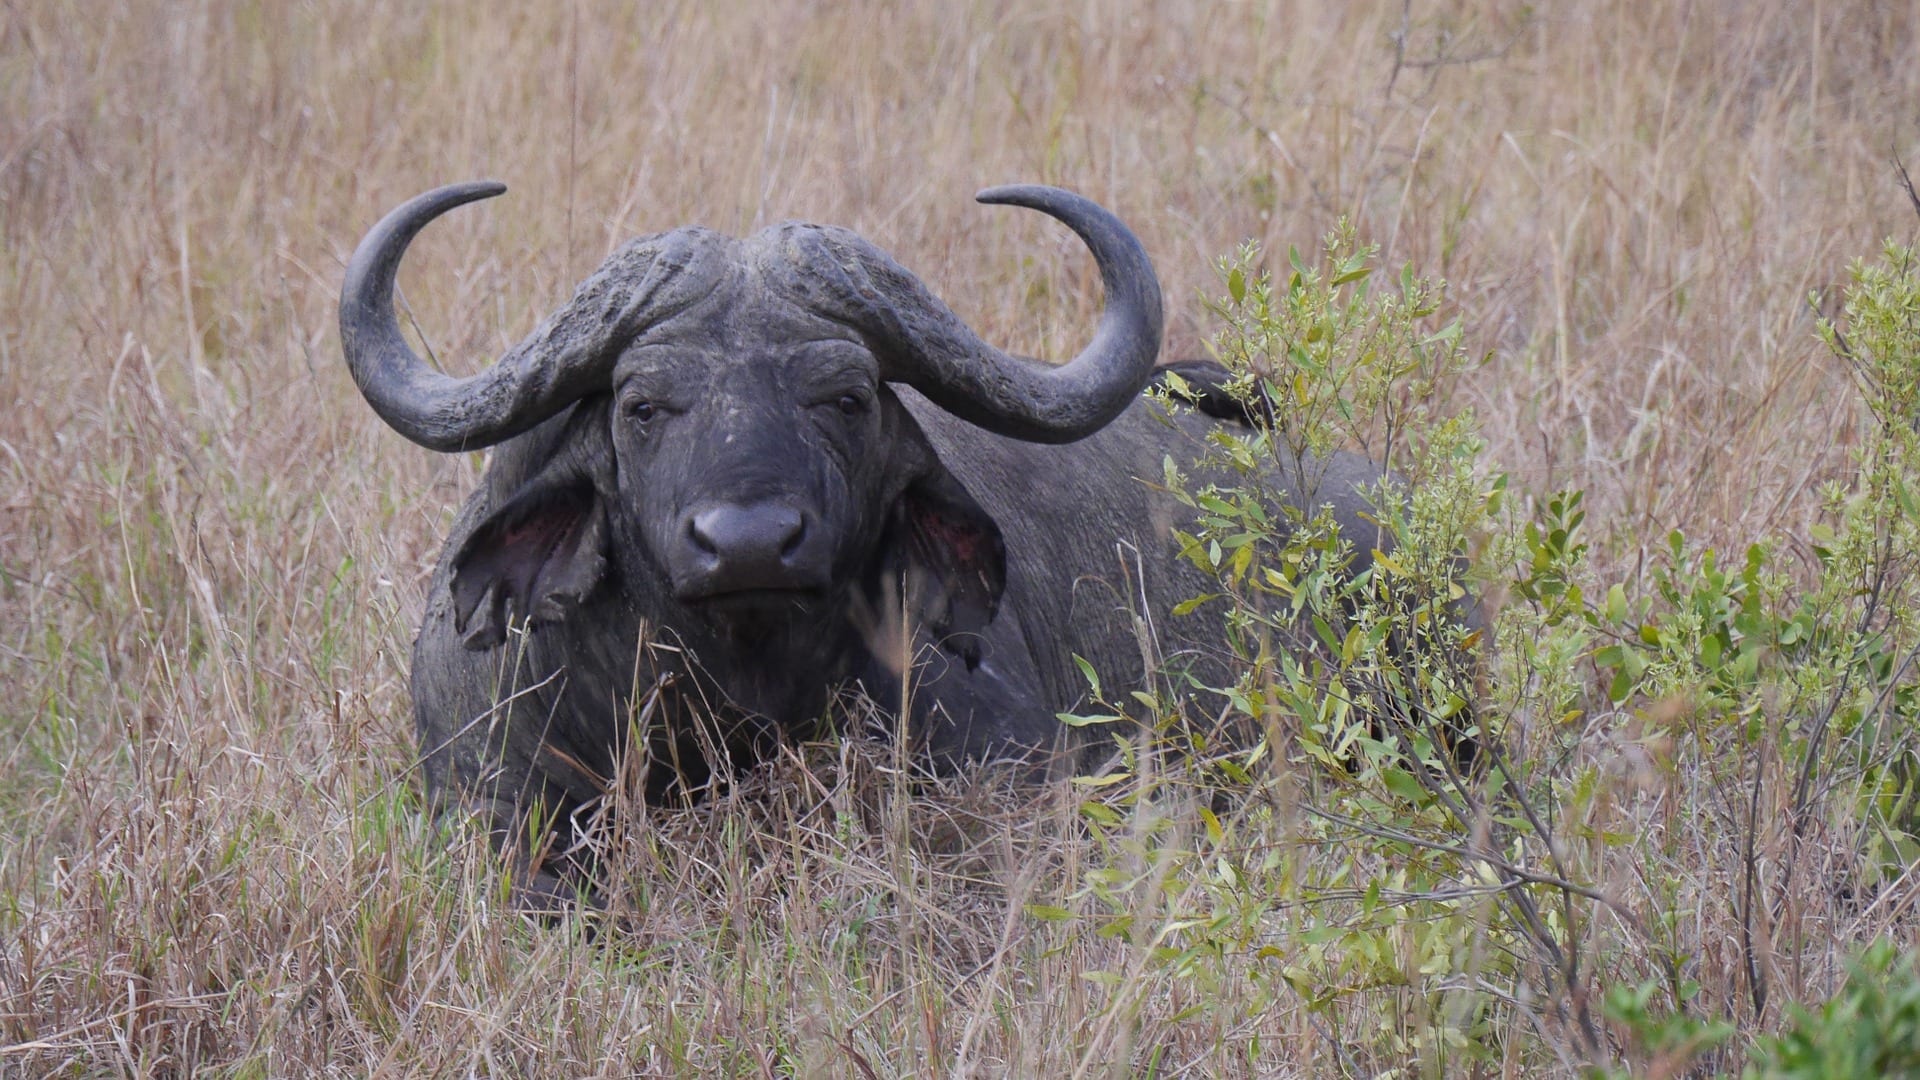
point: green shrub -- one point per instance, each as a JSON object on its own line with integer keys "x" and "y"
{"x": 1870, "y": 1028}
{"x": 1426, "y": 824}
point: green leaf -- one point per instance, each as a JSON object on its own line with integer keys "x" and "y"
{"x": 1402, "y": 783}
{"x": 1616, "y": 604}
{"x": 1242, "y": 559}
{"x": 1214, "y": 832}
{"x": 1092, "y": 677}
{"x": 1072, "y": 720}
{"x": 1621, "y": 686}
{"x": 1187, "y": 607}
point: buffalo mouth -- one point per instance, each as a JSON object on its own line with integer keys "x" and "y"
{"x": 754, "y": 603}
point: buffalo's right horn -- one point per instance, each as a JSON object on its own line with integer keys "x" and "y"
{"x": 922, "y": 343}
{"x": 568, "y": 357}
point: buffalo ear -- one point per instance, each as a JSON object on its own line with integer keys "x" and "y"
{"x": 534, "y": 559}
{"x": 954, "y": 560}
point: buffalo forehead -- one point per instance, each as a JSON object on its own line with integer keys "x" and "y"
{"x": 750, "y": 329}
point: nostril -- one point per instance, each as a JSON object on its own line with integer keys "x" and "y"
{"x": 796, "y": 534}
{"x": 699, "y": 532}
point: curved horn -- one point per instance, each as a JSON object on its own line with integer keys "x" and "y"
{"x": 566, "y": 358}
{"x": 922, "y": 343}
{"x": 1041, "y": 402}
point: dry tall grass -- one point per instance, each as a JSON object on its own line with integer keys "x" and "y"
{"x": 212, "y": 555}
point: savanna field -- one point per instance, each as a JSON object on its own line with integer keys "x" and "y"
{"x": 1694, "y": 822}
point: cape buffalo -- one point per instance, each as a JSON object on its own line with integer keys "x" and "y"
{"x": 733, "y": 477}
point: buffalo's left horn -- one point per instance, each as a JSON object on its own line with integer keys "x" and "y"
{"x": 922, "y": 343}
{"x": 568, "y": 357}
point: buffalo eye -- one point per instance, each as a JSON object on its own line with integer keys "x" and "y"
{"x": 852, "y": 404}
{"x": 639, "y": 410}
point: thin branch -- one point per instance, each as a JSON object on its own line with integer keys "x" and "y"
{"x": 1756, "y": 983}
{"x": 1521, "y": 874}
{"x": 1906, "y": 182}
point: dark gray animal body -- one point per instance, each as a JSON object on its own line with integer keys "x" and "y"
{"x": 737, "y": 477}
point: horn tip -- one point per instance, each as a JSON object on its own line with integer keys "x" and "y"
{"x": 479, "y": 189}
{"x": 1033, "y": 196}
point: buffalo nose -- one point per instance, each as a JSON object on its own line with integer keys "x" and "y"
{"x": 755, "y": 546}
